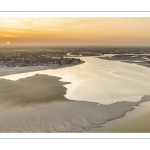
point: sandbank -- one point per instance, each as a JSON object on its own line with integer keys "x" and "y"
{"x": 135, "y": 121}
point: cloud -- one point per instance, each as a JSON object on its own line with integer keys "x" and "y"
{"x": 7, "y": 35}
{"x": 77, "y": 23}
{"x": 28, "y": 22}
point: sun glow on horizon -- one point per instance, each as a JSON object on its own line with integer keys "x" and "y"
{"x": 75, "y": 31}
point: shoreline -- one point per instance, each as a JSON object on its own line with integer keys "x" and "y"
{"x": 107, "y": 83}
{"x": 135, "y": 121}
{"x": 16, "y": 70}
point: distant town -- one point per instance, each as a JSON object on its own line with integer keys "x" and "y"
{"x": 34, "y": 60}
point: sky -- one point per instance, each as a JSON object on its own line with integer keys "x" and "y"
{"x": 75, "y": 31}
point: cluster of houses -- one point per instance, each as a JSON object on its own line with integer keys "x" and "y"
{"x": 42, "y": 60}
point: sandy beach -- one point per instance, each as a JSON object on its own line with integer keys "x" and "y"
{"x": 18, "y": 70}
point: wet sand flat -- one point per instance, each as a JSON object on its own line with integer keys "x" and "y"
{"x": 37, "y": 104}
{"x": 139, "y": 59}
{"x": 36, "y": 101}
{"x": 136, "y": 121}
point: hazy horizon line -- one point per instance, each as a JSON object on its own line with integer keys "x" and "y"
{"x": 73, "y": 45}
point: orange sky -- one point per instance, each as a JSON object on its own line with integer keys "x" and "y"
{"x": 75, "y": 31}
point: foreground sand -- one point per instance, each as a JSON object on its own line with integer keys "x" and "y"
{"x": 37, "y": 104}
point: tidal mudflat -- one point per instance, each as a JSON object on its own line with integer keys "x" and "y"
{"x": 37, "y": 104}
{"x": 103, "y": 81}
{"x": 81, "y": 98}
